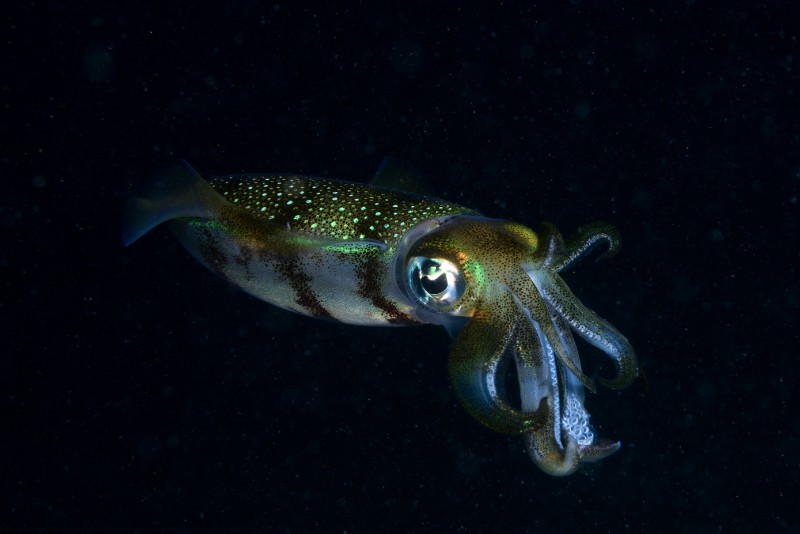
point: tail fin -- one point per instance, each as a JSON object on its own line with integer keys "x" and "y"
{"x": 176, "y": 191}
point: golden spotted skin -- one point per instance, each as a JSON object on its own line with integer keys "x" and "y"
{"x": 368, "y": 255}
{"x": 331, "y": 208}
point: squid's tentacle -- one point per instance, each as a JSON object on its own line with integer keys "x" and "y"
{"x": 583, "y": 241}
{"x": 598, "y": 450}
{"x": 590, "y": 327}
{"x": 552, "y": 447}
{"x": 551, "y": 248}
{"x": 568, "y": 343}
{"x": 565, "y": 462}
{"x": 537, "y": 381}
{"x": 532, "y": 304}
{"x": 474, "y": 361}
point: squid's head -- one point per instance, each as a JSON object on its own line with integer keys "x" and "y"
{"x": 494, "y": 285}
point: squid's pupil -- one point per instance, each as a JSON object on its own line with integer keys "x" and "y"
{"x": 434, "y": 281}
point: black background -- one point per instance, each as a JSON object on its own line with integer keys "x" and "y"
{"x": 143, "y": 394}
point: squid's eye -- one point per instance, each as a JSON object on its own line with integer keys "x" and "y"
{"x": 436, "y": 282}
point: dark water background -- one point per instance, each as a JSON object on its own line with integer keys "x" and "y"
{"x": 142, "y": 394}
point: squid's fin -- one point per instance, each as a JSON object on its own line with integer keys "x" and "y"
{"x": 397, "y": 174}
{"x": 176, "y": 191}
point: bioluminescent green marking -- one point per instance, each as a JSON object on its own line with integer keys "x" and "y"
{"x": 328, "y": 208}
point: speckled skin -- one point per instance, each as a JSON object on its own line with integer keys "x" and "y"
{"x": 332, "y": 245}
{"x": 332, "y": 209}
{"x": 361, "y": 255}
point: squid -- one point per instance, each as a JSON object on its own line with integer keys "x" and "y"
{"x": 386, "y": 254}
